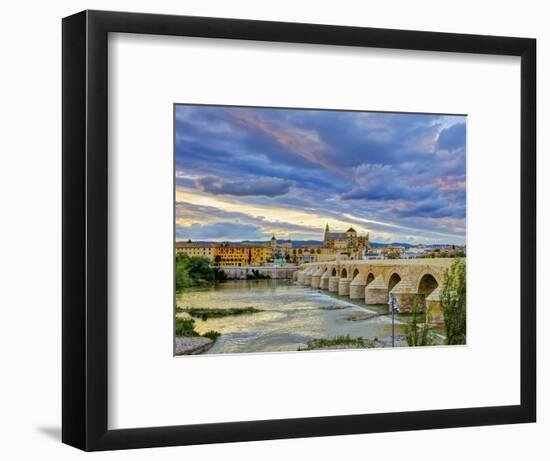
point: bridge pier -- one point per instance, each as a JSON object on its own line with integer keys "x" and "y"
{"x": 333, "y": 284}
{"x": 433, "y": 303}
{"x": 324, "y": 280}
{"x": 407, "y": 280}
{"x": 357, "y": 287}
{"x": 376, "y": 292}
{"x": 404, "y": 294}
{"x": 307, "y": 276}
{"x": 343, "y": 287}
{"x": 316, "y": 278}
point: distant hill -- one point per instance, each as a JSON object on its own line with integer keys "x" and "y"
{"x": 409, "y": 245}
{"x": 393, "y": 244}
{"x": 305, "y": 243}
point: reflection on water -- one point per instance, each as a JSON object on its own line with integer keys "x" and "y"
{"x": 291, "y": 316}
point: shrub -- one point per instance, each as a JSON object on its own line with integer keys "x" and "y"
{"x": 213, "y": 335}
{"x": 418, "y": 335}
{"x": 453, "y": 302}
{"x": 185, "y": 327}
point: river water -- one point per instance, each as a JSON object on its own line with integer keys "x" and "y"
{"x": 291, "y": 316}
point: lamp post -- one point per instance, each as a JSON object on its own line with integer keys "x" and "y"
{"x": 394, "y": 310}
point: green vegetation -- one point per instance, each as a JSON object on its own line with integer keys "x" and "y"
{"x": 256, "y": 275}
{"x": 453, "y": 302}
{"x": 345, "y": 341}
{"x": 205, "y": 314}
{"x": 418, "y": 334}
{"x": 195, "y": 271}
{"x": 186, "y": 327}
{"x": 212, "y": 334}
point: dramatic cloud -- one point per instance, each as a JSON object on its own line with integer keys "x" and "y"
{"x": 384, "y": 182}
{"x": 270, "y": 187}
{"x": 220, "y": 231}
{"x": 453, "y": 137}
{"x": 400, "y": 176}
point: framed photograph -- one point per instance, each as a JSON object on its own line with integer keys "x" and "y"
{"x": 280, "y": 230}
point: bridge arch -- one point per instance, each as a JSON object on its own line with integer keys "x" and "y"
{"x": 370, "y": 278}
{"x": 394, "y": 279}
{"x": 344, "y": 273}
{"x": 355, "y": 273}
{"x": 426, "y": 284}
{"x": 334, "y": 272}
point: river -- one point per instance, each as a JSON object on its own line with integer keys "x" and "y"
{"x": 291, "y": 315}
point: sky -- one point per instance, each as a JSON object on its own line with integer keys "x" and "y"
{"x": 244, "y": 173}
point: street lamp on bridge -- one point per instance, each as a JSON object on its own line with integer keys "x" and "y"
{"x": 394, "y": 310}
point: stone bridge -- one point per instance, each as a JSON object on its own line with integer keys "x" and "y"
{"x": 373, "y": 280}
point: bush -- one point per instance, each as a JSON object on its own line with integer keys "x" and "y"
{"x": 453, "y": 302}
{"x": 418, "y": 336}
{"x": 185, "y": 327}
{"x": 195, "y": 271}
{"x": 213, "y": 335}
{"x": 205, "y": 313}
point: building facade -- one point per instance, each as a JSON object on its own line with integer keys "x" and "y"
{"x": 346, "y": 242}
{"x": 228, "y": 254}
{"x": 335, "y": 246}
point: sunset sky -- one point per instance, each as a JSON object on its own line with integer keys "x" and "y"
{"x": 244, "y": 173}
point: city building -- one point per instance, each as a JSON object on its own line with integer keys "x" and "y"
{"x": 228, "y": 254}
{"x": 336, "y": 245}
{"x": 241, "y": 254}
{"x": 282, "y": 249}
{"x": 206, "y": 250}
{"x": 346, "y": 242}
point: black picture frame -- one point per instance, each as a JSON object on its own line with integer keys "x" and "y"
{"x": 85, "y": 224}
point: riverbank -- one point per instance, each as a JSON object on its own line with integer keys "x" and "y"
{"x": 192, "y": 345}
{"x": 189, "y": 341}
{"x": 340, "y": 342}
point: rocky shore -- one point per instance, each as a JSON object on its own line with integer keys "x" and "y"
{"x": 192, "y": 345}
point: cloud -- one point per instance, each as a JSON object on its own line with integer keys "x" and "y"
{"x": 437, "y": 207}
{"x": 189, "y": 213}
{"x": 268, "y": 186}
{"x": 408, "y": 170}
{"x": 452, "y": 138}
{"x": 220, "y": 231}
{"x": 303, "y": 142}
{"x": 385, "y": 182}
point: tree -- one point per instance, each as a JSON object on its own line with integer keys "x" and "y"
{"x": 217, "y": 260}
{"x": 416, "y": 335}
{"x": 199, "y": 269}
{"x": 193, "y": 271}
{"x": 183, "y": 280}
{"x": 453, "y": 302}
